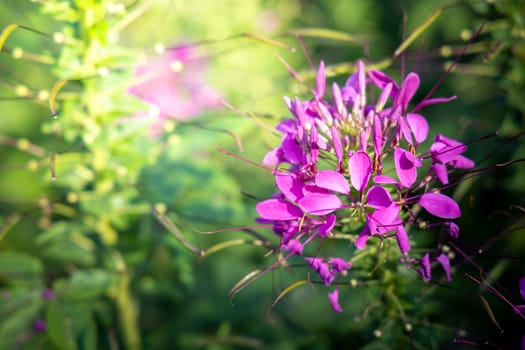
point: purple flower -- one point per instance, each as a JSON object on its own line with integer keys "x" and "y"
{"x": 174, "y": 85}
{"x": 329, "y": 152}
{"x": 39, "y": 326}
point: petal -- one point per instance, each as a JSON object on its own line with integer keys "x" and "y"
{"x": 334, "y": 300}
{"x": 445, "y": 263}
{"x": 325, "y": 228}
{"x": 277, "y": 209}
{"x": 319, "y": 204}
{"x": 384, "y": 220}
{"x": 419, "y": 126}
{"x": 381, "y": 80}
{"x": 452, "y": 229}
{"x": 440, "y": 170}
{"x": 461, "y": 162}
{"x": 384, "y": 179}
{"x": 292, "y": 151}
{"x": 315, "y": 263}
{"x": 408, "y": 89}
{"x": 339, "y": 265}
{"x": 377, "y": 197}
{"x": 424, "y": 270}
{"x": 360, "y": 168}
{"x": 440, "y": 205}
{"x": 273, "y": 157}
{"x": 402, "y": 239}
{"x": 332, "y": 180}
{"x": 360, "y": 242}
{"x": 433, "y": 101}
{"x": 405, "y": 164}
{"x": 293, "y": 246}
{"x": 290, "y": 187}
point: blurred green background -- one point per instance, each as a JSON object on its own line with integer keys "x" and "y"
{"x": 120, "y": 279}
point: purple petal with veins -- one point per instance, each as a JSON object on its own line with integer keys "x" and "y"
{"x": 332, "y": 180}
{"x": 360, "y": 168}
{"x": 377, "y": 197}
{"x": 440, "y": 205}
{"x": 522, "y": 287}
{"x": 319, "y": 204}
{"x": 445, "y": 263}
{"x": 277, "y": 209}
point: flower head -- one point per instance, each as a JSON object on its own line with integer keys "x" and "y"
{"x": 330, "y": 171}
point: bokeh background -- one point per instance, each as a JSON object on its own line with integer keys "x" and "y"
{"x": 91, "y": 203}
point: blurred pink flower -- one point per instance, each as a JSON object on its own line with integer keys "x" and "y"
{"x": 174, "y": 85}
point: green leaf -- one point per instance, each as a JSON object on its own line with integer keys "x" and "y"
{"x": 14, "y": 328}
{"x": 70, "y": 325}
{"x": 86, "y": 284}
{"x": 20, "y": 268}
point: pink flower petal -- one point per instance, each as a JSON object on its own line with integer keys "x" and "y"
{"x": 402, "y": 239}
{"x": 440, "y": 205}
{"x": 408, "y": 89}
{"x": 424, "y": 270}
{"x": 334, "y": 300}
{"x": 406, "y": 166}
{"x": 377, "y": 197}
{"x": 277, "y": 209}
{"x": 290, "y": 187}
{"x": 332, "y": 180}
{"x": 445, "y": 263}
{"x": 320, "y": 204}
{"x": 419, "y": 126}
{"x": 360, "y": 168}
{"x": 325, "y": 228}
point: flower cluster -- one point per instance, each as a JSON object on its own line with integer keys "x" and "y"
{"x": 353, "y": 158}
